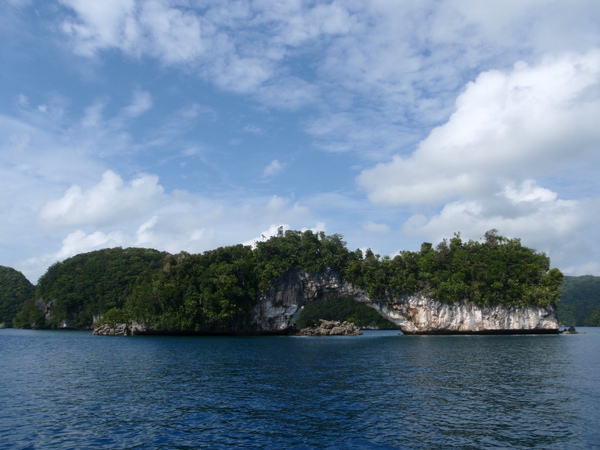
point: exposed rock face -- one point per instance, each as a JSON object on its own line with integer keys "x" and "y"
{"x": 414, "y": 314}
{"x": 420, "y": 314}
{"x": 278, "y": 305}
{"x": 121, "y": 329}
{"x": 331, "y": 328}
{"x": 65, "y": 324}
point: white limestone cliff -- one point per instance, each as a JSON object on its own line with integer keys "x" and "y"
{"x": 414, "y": 314}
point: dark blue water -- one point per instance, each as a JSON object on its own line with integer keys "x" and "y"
{"x": 381, "y": 390}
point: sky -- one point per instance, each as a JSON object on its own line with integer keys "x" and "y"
{"x": 187, "y": 125}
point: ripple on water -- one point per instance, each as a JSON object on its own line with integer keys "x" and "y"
{"x": 75, "y": 390}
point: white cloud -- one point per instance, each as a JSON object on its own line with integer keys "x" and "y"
{"x": 399, "y": 58}
{"x": 109, "y": 201}
{"x": 175, "y": 35}
{"x": 93, "y": 115}
{"x": 507, "y": 126}
{"x": 273, "y": 168}
{"x": 140, "y": 103}
{"x": 80, "y": 242}
{"x": 273, "y": 230}
{"x": 101, "y": 24}
{"x": 140, "y": 214}
{"x": 151, "y": 27}
{"x": 238, "y": 46}
{"x": 364, "y": 80}
{"x": 480, "y": 169}
{"x": 557, "y": 227}
{"x": 529, "y": 192}
{"x": 276, "y": 229}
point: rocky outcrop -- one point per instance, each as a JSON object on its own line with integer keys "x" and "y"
{"x": 287, "y": 296}
{"x": 66, "y": 324}
{"x": 570, "y": 330}
{"x": 331, "y": 328}
{"x": 121, "y": 329}
{"x": 414, "y": 314}
{"x": 420, "y": 314}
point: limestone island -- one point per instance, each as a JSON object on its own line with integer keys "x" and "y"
{"x": 492, "y": 286}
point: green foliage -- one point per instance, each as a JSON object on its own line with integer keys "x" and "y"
{"x": 342, "y": 309}
{"x": 217, "y": 290}
{"x": 15, "y": 290}
{"x": 115, "y": 316}
{"x": 90, "y": 284}
{"x": 31, "y": 315}
{"x": 496, "y": 271}
{"x": 204, "y": 293}
{"x": 593, "y": 320}
{"x": 580, "y": 300}
{"x": 311, "y": 252}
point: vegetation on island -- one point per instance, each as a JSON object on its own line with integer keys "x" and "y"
{"x": 207, "y": 292}
{"x": 15, "y": 290}
{"x": 580, "y": 301}
{"x": 217, "y": 290}
{"x": 89, "y": 284}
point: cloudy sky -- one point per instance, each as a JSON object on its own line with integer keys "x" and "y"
{"x": 189, "y": 125}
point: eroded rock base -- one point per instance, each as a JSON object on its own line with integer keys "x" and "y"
{"x": 331, "y": 328}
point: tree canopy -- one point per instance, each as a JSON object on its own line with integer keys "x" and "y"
{"x": 217, "y": 290}
{"x": 15, "y": 290}
{"x": 90, "y": 284}
{"x": 580, "y": 301}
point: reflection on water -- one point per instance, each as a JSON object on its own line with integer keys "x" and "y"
{"x": 379, "y": 390}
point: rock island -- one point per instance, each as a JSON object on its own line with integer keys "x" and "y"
{"x": 491, "y": 286}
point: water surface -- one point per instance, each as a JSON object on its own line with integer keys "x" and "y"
{"x": 62, "y": 389}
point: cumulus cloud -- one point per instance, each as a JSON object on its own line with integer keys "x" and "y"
{"x": 80, "y": 242}
{"x": 109, "y": 201}
{"x": 366, "y": 81}
{"x": 273, "y": 168}
{"x": 139, "y": 213}
{"x": 560, "y": 228}
{"x": 511, "y": 125}
{"x": 482, "y": 169}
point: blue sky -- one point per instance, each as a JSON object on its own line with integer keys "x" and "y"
{"x": 189, "y": 125}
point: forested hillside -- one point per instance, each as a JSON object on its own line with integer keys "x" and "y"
{"x": 580, "y": 301}
{"x": 15, "y": 290}
{"x": 89, "y": 284}
{"x": 217, "y": 290}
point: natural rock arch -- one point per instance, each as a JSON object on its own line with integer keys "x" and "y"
{"x": 414, "y": 314}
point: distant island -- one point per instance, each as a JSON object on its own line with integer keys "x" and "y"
{"x": 495, "y": 285}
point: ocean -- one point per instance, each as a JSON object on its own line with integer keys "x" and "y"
{"x": 381, "y": 390}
